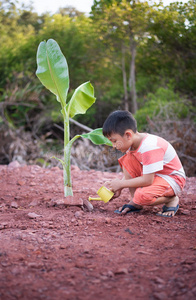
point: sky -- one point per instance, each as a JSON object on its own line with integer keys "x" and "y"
{"x": 51, "y": 6}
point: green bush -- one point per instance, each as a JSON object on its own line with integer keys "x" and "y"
{"x": 163, "y": 104}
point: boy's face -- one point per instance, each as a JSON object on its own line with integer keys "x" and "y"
{"x": 121, "y": 143}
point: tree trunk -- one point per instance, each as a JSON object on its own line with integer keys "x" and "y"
{"x": 132, "y": 87}
{"x": 126, "y": 103}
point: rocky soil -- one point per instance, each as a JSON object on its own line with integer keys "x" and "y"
{"x": 52, "y": 251}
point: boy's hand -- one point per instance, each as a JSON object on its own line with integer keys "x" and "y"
{"x": 115, "y": 185}
{"x": 116, "y": 194}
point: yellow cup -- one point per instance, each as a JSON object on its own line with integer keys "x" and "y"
{"x": 104, "y": 195}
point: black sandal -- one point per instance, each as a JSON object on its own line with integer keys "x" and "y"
{"x": 131, "y": 207}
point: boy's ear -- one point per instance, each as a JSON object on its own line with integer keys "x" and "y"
{"x": 129, "y": 133}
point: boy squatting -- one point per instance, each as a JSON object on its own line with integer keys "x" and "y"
{"x": 151, "y": 168}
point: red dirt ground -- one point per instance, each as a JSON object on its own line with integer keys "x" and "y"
{"x": 53, "y": 252}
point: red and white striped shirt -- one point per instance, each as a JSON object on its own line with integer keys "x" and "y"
{"x": 158, "y": 156}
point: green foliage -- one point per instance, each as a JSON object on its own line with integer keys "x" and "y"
{"x": 52, "y": 70}
{"x": 165, "y": 104}
{"x": 96, "y": 136}
{"x": 93, "y": 46}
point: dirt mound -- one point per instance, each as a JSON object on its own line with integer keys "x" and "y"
{"x": 50, "y": 251}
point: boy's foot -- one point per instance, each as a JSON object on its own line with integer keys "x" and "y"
{"x": 127, "y": 208}
{"x": 170, "y": 209}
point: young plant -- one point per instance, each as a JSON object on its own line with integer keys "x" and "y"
{"x": 52, "y": 71}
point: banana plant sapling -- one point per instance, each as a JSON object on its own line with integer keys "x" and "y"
{"x": 52, "y": 71}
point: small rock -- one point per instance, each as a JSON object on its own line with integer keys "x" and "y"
{"x": 21, "y": 182}
{"x": 33, "y": 215}
{"x": 107, "y": 220}
{"x": 4, "y": 264}
{"x": 34, "y": 203}
{"x": 14, "y": 204}
{"x": 188, "y": 262}
{"x": 71, "y": 281}
{"x": 121, "y": 271}
{"x": 86, "y": 251}
{"x": 95, "y": 281}
{"x": 159, "y": 280}
{"x": 78, "y": 214}
{"x": 74, "y": 168}
{"x": 55, "y": 169}
{"x": 3, "y": 226}
{"x": 185, "y": 212}
{"x": 13, "y": 164}
{"x": 80, "y": 265}
{"x": 16, "y": 271}
{"x": 35, "y": 265}
{"x": 110, "y": 274}
{"x": 62, "y": 247}
{"x": 87, "y": 205}
{"x": 89, "y": 222}
{"x": 23, "y": 227}
{"x": 56, "y": 202}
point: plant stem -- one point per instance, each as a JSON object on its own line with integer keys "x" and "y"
{"x": 67, "y": 153}
{"x": 67, "y": 176}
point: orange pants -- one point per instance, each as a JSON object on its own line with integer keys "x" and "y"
{"x": 145, "y": 195}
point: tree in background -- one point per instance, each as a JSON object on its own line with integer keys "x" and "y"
{"x": 122, "y": 48}
{"x": 124, "y": 25}
{"x": 169, "y": 54}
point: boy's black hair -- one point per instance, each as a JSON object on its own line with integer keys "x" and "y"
{"x": 118, "y": 122}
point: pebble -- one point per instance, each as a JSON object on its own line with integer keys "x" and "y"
{"x": 88, "y": 205}
{"x": 34, "y": 203}
{"x": 159, "y": 280}
{"x": 35, "y": 265}
{"x": 107, "y": 220}
{"x": 13, "y": 164}
{"x": 95, "y": 281}
{"x": 62, "y": 247}
{"x": 23, "y": 227}
{"x": 80, "y": 265}
{"x": 56, "y": 202}
{"x": 3, "y": 226}
{"x": 16, "y": 271}
{"x": 21, "y": 182}
{"x": 185, "y": 212}
{"x": 14, "y": 204}
{"x": 33, "y": 215}
{"x": 78, "y": 214}
{"x": 121, "y": 271}
{"x": 110, "y": 274}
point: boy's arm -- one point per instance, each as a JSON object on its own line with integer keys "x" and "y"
{"x": 117, "y": 192}
{"x": 145, "y": 180}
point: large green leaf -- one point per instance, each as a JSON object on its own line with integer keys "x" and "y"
{"x": 81, "y": 100}
{"x": 52, "y": 69}
{"x": 96, "y": 136}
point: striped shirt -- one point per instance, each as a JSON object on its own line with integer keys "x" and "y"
{"x": 158, "y": 156}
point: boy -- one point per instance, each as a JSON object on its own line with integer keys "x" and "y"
{"x": 152, "y": 170}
